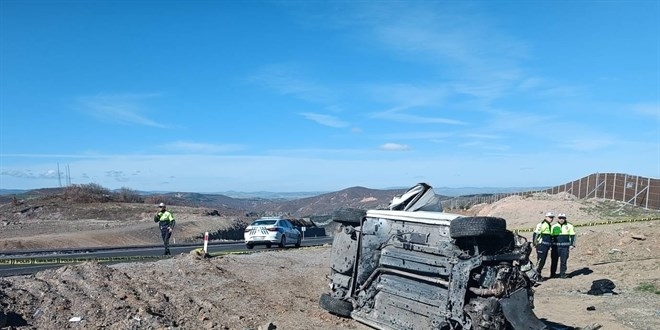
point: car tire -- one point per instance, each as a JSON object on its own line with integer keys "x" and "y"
{"x": 249, "y": 246}
{"x": 268, "y": 245}
{"x": 282, "y": 241}
{"x": 335, "y": 306}
{"x": 299, "y": 241}
{"x": 476, "y": 226}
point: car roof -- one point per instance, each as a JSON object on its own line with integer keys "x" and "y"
{"x": 271, "y": 218}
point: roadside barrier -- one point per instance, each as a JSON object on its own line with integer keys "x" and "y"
{"x": 591, "y": 224}
{"x": 62, "y": 261}
{"x": 59, "y": 261}
{"x": 206, "y": 243}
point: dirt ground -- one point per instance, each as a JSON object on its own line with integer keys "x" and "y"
{"x": 279, "y": 289}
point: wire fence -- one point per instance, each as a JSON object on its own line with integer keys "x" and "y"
{"x": 631, "y": 189}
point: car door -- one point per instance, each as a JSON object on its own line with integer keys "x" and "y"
{"x": 291, "y": 235}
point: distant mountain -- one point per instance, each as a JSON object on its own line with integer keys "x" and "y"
{"x": 271, "y": 194}
{"x": 298, "y": 204}
{"x": 323, "y": 204}
{"x": 11, "y": 191}
{"x": 357, "y": 197}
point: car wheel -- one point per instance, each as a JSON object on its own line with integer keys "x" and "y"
{"x": 476, "y": 226}
{"x": 299, "y": 241}
{"x": 282, "y": 241}
{"x": 249, "y": 246}
{"x": 335, "y": 306}
{"x": 268, "y": 245}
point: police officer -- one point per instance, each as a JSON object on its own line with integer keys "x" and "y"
{"x": 542, "y": 240}
{"x": 563, "y": 237}
{"x": 166, "y": 222}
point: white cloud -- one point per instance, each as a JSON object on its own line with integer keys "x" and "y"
{"x": 397, "y": 116}
{"x": 588, "y": 144}
{"x": 202, "y": 148}
{"x": 119, "y": 108}
{"x": 481, "y": 145}
{"x": 118, "y": 176}
{"x": 308, "y": 171}
{"x": 416, "y": 135}
{"x": 29, "y": 174}
{"x": 483, "y": 136}
{"x": 394, "y": 147}
{"x": 325, "y": 120}
{"x": 287, "y": 79}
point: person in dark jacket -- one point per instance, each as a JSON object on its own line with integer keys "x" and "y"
{"x": 563, "y": 239}
{"x": 166, "y": 222}
{"x": 542, "y": 240}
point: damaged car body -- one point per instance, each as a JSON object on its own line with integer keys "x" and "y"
{"x": 416, "y": 267}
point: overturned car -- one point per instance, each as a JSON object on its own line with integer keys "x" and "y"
{"x": 416, "y": 267}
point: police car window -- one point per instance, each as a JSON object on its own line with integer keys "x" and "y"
{"x": 264, "y": 222}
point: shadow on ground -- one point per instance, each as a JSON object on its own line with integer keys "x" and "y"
{"x": 558, "y": 326}
{"x": 580, "y": 272}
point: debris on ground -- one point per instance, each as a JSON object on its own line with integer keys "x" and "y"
{"x": 601, "y": 287}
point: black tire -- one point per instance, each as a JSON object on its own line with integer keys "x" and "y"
{"x": 349, "y": 215}
{"x": 268, "y": 245}
{"x": 299, "y": 241}
{"x": 249, "y": 246}
{"x": 335, "y": 306}
{"x": 476, "y": 226}
{"x": 282, "y": 241}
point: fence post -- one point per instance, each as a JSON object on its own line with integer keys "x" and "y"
{"x": 614, "y": 186}
{"x": 572, "y": 184}
{"x": 636, "y": 187}
{"x": 625, "y": 187}
{"x": 579, "y": 195}
{"x": 604, "y": 185}
{"x": 648, "y": 192}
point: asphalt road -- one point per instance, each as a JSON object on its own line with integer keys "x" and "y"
{"x": 29, "y": 262}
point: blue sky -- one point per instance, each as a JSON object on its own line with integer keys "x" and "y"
{"x": 211, "y": 96}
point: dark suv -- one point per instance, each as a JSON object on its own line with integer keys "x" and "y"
{"x": 406, "y": 269}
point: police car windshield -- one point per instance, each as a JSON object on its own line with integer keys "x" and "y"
{"x": 264, "y": 222}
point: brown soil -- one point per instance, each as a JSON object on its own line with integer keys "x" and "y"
{"x": 281, "y": 288}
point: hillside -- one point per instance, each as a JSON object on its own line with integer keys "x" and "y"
{"x": 281, "y": 288}
{"x": 323, "y": 204}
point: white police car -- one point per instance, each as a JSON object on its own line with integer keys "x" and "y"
{"x": 271, "y": 230}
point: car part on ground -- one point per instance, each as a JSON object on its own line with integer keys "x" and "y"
{"x": 271, "y": 230}
{"x": 404, "y": 270}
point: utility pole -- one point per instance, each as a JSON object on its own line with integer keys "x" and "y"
{"x": 59, "y": 177}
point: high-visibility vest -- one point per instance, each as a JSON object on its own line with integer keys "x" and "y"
{"x": 542, "y": 233}
{"x": 165, "y": 216}
{"x": 563, "y": 234}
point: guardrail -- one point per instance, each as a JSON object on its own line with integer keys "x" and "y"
{"x": 59, "y": 261}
